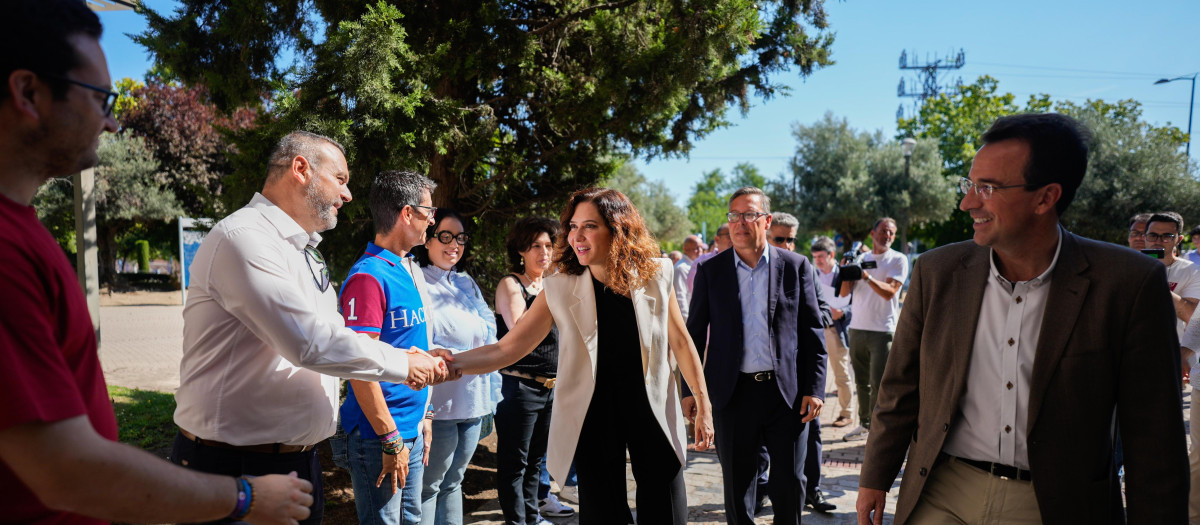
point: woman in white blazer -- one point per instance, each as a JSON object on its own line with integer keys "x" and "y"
{"x": 621, "y": 337}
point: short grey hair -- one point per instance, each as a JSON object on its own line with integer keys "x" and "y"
{"x": 297, "y": 144}
{"x": 751, "y": 190}
{"x": 784, "y": 219}
{"x": 824, "y": 244}
{"x": 391, "y": 191}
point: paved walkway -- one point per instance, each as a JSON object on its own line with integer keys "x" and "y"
{"x": 140, "y": 348}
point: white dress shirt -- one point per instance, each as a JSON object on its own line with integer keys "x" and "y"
{"x": 259, "y": 335}
{"x": 994, "y": 410}
{"x": 680, "y": 284}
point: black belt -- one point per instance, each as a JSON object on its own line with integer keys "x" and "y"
{"x": 760, "y": 377}
{"x": 269, "y": 448}
{"x": 998, "y": 470}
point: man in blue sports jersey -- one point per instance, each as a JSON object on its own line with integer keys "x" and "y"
{"x": 387, "y": 432}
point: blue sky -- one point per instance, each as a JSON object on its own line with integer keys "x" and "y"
{"x": 1069, "y": 49}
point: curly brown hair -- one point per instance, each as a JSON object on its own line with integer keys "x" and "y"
{"x": 632, "y": 252}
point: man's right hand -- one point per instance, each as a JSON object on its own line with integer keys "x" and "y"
{"x": 838, "y": 313}
{"x": 280, "y": 499}
{"x": 870, "y": 506}
{"x": 397, "y": 467}
{"x": 424, "y": 369}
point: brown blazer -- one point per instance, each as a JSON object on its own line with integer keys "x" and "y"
{"x": 1107, "y": 351}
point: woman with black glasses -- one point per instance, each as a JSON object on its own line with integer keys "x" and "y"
{"x": 460, "y": 319}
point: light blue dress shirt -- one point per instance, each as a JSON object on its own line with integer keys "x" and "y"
{"x": 754, "y": 291}
{"x": 460, "y": 320}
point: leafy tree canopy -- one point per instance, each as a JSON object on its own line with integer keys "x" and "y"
{"x": 666, "y": 221}
{"x": 843, "y": 180}
{"x": 507, "y": 105}
{"x": 709, "y": 201}
{"x": 1132, "y": 166}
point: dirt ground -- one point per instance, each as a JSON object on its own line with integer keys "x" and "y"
{"x": 137, "y": 298}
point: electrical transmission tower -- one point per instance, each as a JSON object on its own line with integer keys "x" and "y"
{"x": 927, "y": 77}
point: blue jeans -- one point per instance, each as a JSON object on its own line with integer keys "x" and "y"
{"x": 544, "y": 484}
{"x": 364, "y": 459}
{"x": 454, "y": 442}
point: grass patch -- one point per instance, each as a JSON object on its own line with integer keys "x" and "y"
{"x": 144, "y": 418}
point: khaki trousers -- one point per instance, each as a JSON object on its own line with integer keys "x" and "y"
{"x": 958, "y": 493}
{"x": 839, "y": 362}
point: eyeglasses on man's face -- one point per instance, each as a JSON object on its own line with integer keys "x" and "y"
{"x": 749, "y": 216}
{"x": 1163, "y": 237}
{"x": 446, "y": 237}
{"x": 429, "y": 210}
{"x": 320, "y": 273}
{"x": 985, "y": 191}
{"x": 110, "y": 96}
{"x": 784, "y": 240}
{"x": 1135, "y": 234}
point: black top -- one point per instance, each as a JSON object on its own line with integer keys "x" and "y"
{"x": 543, "y": 360}
{"x": 619, "y": 381}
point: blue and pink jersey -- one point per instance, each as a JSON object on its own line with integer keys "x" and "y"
{"x": 380, "y": 297}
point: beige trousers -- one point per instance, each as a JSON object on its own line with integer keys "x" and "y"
{"x": 958, "y": 493}
{"x": 1194, "y": 461}
{"x": 839, "y": 363}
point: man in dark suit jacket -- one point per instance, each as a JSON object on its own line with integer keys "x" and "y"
{"x": 756, "y": 322}
{"x": 1018, "y": 356}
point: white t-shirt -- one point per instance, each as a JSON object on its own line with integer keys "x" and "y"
{"x": 1183, "y": 276}
{"x": 872, "y": 312}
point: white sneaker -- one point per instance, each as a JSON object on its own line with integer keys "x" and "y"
{"x": 569, "y": 494}
{"x": 554, "y": 508}
{"x": 858, "y": 434}
{"x": 544, "y": 521}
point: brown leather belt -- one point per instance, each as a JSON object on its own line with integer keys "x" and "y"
{"x": 269, "y": 448}
{"x": 547, "y": 382}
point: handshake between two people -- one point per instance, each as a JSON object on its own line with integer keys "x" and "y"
{"x": 430, "y": 368}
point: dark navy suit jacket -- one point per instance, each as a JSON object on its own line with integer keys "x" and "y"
{"x": 797, "y": 334}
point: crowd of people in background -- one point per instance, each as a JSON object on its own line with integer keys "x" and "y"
{"x": 1032, "y": 375}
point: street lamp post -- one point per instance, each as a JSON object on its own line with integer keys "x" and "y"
{"x": 1191, "y": 105}
{"x": 908, "y": 145}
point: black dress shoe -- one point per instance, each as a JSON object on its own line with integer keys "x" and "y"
{"x": 817, "y": 501}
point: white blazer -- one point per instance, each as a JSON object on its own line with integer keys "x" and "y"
{"x": 572, "y": 302}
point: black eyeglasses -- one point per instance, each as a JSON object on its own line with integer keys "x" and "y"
{"x": 445, "y": 237}
{"x": 110, "y": 98}
{"x": 782, "y": 240}
{"x": 1165, "y": 237}
{"x": 320, "y": 277}
{"x": 749, "y": 216}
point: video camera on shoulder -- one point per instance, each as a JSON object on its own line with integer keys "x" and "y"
{"x": 853, "y": 265}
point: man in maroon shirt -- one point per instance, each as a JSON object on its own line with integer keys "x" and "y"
{"x": 59, "y": 459}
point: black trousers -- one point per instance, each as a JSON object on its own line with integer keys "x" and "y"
{"x": 812, "y": 464}
{"x": 757, "y": 415}
{"x": 522, "y": 427}
{"x": 189, "y": 454}
{"x": 611, "y": 427}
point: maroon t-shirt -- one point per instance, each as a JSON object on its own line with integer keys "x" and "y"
{"x": 49, "y": 367}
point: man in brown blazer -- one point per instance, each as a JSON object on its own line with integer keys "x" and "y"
{"x": 1018, "y": 356}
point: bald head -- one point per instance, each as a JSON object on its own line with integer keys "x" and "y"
{"x": 691, "y": 246}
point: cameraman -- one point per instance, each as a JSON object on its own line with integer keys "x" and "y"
{"x": 876, "y": 298}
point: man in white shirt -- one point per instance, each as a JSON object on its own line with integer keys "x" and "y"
{"x": 1020, "y": 356}
{"x": 691, "y": 250}
{"x": 876, "y": 298}
{"x": 262, "y": 336}
{"x": 1164, "y": 231}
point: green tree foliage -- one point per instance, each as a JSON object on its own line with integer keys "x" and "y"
{"x": 509, "y": 106}
{"x": 666, "y": 221}
{"x": 1132, "y": 166}
{"x": 843, "y": 180}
